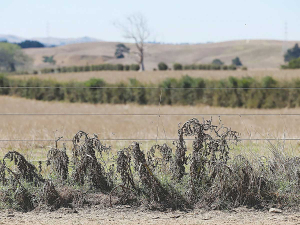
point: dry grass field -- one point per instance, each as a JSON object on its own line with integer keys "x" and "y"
{"x": 253, "y": 54}
{"x": 35, "y": 127}
{"x": 158, "y": 76}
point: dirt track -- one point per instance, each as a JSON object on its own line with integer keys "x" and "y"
{"x": 124, "y": 215}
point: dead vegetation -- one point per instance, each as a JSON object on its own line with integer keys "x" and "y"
{"x": 59, "y": 162}
{"x": 86, "y": 166}
{"x": 160, "y": 178}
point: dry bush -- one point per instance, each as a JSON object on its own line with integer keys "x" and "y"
{"x": 159, "y": 178}
{"x": 71, "y": 197}
{"x": 127, "y": 190}
{"x": 2, "y": 174}
{"x": 25, "y": 170}
{"x": 180, "y": 159}
{"x": 23, "y": 199}
{"x": 160, "y": 196}
{"x": 210, "y": 149}
{"x": 153, "y": 187}
{"x": 85, "y": 161}
{"x": 235, "y": 185}
{"x": 59, "y": 161}
{"x": 24, "y": 174}
{"x": 64, "y": 196}
{"x": 50, "y": 196}
{"x": 124, "y": 168}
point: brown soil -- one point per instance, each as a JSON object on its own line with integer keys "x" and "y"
{"x": 128, "y": 215}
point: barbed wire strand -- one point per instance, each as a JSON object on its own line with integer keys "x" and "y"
{"x": 166, "y": 88}
{"x": 146, "y": 139}
{"x": 150, "y": 114}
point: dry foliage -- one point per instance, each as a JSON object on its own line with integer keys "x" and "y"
{"x": 59, "y": 161}
{"x": 207, "y": 177}
{"x": 86, "y": 163}
{"x": 25, "y": 170}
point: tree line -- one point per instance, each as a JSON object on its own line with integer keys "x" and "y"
{"x": 87, "y": 68}
{"x": 189, "y": 91}
{"x": 216, "y": 64}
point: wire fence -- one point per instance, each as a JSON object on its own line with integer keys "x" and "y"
{"x": 147, "y": 139}
{"x": 162, "y": 88}
{"x": 153, "y": 114}
{"x": 150, "y": 114}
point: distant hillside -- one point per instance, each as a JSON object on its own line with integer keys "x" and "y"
{"x": 253, "y": 53}
{"x": 51, "y": 41}
{"x": 65, "y": 41}
{"x": 11, "y": 38}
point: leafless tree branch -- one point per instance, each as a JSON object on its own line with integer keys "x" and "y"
{"x": 136, "y": 28}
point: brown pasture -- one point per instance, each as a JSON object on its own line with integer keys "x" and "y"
{"x": 36, "y": 127}
{"x": 158, "y": 76}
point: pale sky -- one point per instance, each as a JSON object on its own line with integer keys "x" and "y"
{"x": 173, "y": 21}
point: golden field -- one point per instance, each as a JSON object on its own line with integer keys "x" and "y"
{"x": 158, "y": 76}
{"x": 253, "y": 53}
{"x": 35, "y": 127}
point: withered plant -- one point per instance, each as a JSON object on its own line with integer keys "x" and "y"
{"x": 150, "y": 182}
{"x": 2, "y": 174}
{"x": 25, "y": 170}
{"x": 210, "y": 150}
{"x": 180, "y": 159}
{"x": 50, "y": 195}
{"x": 160, "y": 164}
{"x": 86, "y": 163}
{"x": 59, "y": 162}
{"x": 124, "y": 168}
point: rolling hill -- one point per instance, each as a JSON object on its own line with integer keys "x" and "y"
{"x": 48, "y": 41}
{"x": 253, "y": 53}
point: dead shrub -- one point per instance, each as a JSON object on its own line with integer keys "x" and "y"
{"x": 86, "y": 163}
{"x": 157, "y": 178}
{"x": 71, "y": 197}
{"x": 51, "y": 196}
{"x": 23, "y": 199}
{"x": 124, "y": 168}
{"x": 2, "y": 174}
{"x": 153, "y": 187}
{"x": 210, "y": 151}
{"x": 59, "y": 162}
{"x": 64, "y": 196}
{"x": 25, "y": 170}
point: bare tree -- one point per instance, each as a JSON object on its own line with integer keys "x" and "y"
{"x": 136, "y": 28}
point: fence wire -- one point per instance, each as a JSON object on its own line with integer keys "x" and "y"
{"x": 150, "y": 114}
{"x": 154, "y": 114}
{"x": 166, "y": 88}
{"x": 146, "y": 139}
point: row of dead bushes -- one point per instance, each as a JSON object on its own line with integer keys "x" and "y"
{"x": 159, "y": 178}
